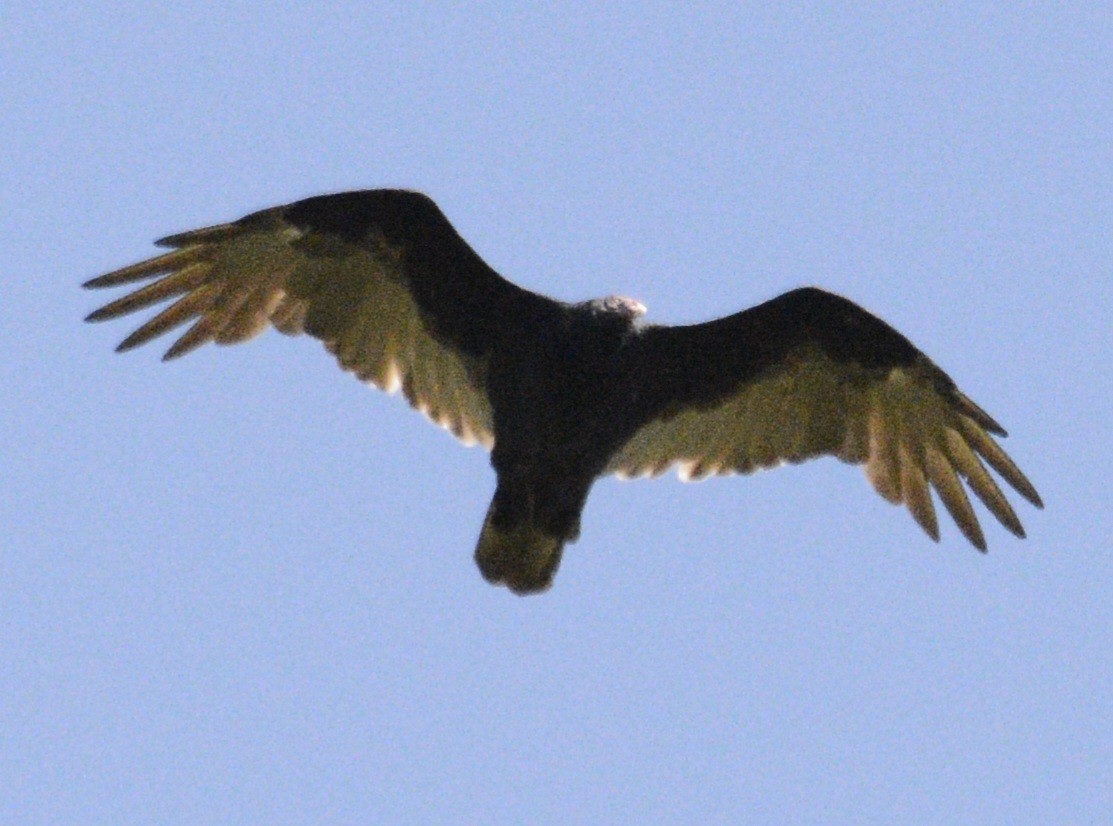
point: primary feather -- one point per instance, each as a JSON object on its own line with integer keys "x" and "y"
{"x": 564, "y": 393}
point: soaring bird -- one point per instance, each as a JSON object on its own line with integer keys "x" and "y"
{"x": 564, "y": 393}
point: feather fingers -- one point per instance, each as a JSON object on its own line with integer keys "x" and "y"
{"x": 178, "y": 282}
{"x": 178, "y": 313}
{"x": 176, "y": 260}
{"x": 967, "y": 407}
{"x": 206, "y": 235}
{"x": 968, "y": 465}
{"x": 998, "y": 460}
{"x": 914, "y": 488}
{"x": 954, "y": 497}
{"x": 202, "y": 332}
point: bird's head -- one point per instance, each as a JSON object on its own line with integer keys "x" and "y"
{"x": 629, "y": 309}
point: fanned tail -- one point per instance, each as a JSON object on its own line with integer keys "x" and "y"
{"x": 521, "y": 556}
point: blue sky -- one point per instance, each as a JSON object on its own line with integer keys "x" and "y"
{"x": 239, "y": 587}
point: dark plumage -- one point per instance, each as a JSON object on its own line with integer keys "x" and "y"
{"x": 564, "y": 393}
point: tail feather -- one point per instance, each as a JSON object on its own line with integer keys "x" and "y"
{"x": 522, "y": 556}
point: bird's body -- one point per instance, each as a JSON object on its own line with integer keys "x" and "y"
{"x": 565, "y": 393}
{"x": 561, "y": 408}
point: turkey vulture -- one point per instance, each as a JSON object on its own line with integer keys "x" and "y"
{"x": 565, "y": 393}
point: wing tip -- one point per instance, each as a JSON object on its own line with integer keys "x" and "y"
{"x": 96, "y": 283}
{"x": 217, "y": 232}
{"x": 929, "y": 524}
{"x": 972, "y": 530}
{"x": 130, "y": 343}
{"x": 974, "y": 411}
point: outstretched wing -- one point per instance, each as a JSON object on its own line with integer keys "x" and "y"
{"x": 810, "y": 374}
{"x": 380, "y": 276}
